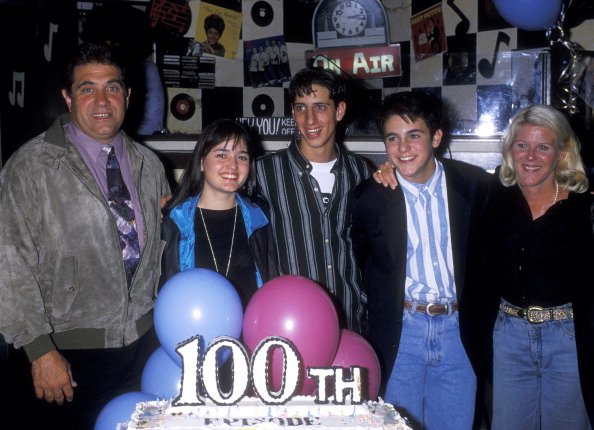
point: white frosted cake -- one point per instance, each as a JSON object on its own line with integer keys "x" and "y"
{"x": 252, "y": 413}
{"x": 343, "y": 408}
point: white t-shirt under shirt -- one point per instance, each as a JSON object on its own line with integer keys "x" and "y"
{"x": 325, "y": 178}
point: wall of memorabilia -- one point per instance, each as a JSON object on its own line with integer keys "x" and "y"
{"x": 234, "y": 58}
{"x": 483, "y": 66}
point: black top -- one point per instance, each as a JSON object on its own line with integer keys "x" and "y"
{"x": 261, "y": 246}
{"x": 220, "y": 229}
{"x": 537, "y": 253}
{"x": 556, "y": 255}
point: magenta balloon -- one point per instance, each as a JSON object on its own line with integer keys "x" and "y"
{"x": 299, "y": 310}
{"x": 354, "y": 350}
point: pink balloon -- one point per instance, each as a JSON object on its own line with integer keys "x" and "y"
{"x": 299, "y": 310}
{"x": 354, "y": 350}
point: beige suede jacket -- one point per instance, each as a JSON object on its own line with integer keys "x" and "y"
{"x": 62, "y": 280}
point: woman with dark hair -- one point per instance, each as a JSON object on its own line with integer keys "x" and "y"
{"x": 214, "y": 26}
{"x": 211, "y": 223}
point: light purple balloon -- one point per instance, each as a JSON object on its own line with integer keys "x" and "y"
{"x": 196, "y": 302}
{"x": 299, "y": 310}
{"x": 161, "y": 376}
{"x": 120, "y": 409}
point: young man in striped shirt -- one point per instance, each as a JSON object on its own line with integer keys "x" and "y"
{"x": 307, "y": 187}
{"x": 414, "y": 243}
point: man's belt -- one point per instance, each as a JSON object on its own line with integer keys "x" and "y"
{"x": 432, "y": 309}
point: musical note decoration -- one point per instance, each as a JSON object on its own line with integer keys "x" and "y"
{"x": 18, "y": 79}
{"x": 464, "y": 25}
{"x": 486, "y": 67}
{"x": 47, "y": 48}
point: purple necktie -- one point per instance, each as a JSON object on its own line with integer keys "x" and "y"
{"x": 120, "y": 204}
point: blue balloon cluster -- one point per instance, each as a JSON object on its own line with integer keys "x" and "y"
{"x": 532, "y": 15}
{"x": 161, "y": 375}
{"x": 120, "y": 409}
{"x": 194, "y": 302}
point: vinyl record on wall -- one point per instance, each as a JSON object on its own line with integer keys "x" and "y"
{"x": 182, "y": 106}
{"x": 263, "y": 102}
{"x": 262, "y": 13}
{"x": 261, "y": 19}
{"x": 184, "y": 114}
{"x": 262, "y": 105}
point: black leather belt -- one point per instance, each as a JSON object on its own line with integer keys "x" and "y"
{"x": 537, "y": 314}
{"x": 432, "y": 309}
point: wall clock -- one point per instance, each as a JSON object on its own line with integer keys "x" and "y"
{"x": 349, "y": 18}
{"x": 338, "y": 23}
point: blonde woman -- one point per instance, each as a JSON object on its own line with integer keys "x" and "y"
{"x": 539, "y": 268}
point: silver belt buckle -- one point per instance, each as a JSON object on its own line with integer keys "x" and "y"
{"x": 430, "y": 305}
{"x": 538, "y": 317}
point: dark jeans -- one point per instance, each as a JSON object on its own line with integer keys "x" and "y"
{"x": 101, "y": 375}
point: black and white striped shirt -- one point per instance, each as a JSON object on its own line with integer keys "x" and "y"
{"x": 313, "y": 238}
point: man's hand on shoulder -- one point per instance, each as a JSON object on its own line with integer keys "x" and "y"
{"x": 385, "y": 175}
{"x": 52, "y": 378}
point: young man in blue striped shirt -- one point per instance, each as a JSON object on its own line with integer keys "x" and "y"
{"x": 414, "y": 244}
{"x": 307, "y": 187}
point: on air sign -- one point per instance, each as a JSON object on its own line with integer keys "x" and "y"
{"x": 364, "y": 62}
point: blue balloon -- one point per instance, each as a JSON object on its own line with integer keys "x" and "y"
{"x": 161, "y": 376}
{"x": 120, "y": 409}
{"x": 196, "y": 302}
{"x": 530, "y": 15}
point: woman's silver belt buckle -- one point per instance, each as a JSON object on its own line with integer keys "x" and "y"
{"x": 536, "y": 314}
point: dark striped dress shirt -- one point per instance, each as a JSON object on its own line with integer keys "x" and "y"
{"x": 313, "y": 239}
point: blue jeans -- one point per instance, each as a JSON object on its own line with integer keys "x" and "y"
{"x": 536, "y": 383}
{"x": 432, "y": 382}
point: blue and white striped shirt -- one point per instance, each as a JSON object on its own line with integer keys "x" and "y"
{"x": 429, "y": 266}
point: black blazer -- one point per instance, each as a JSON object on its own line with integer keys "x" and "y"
{"x": 379, "y": 237}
